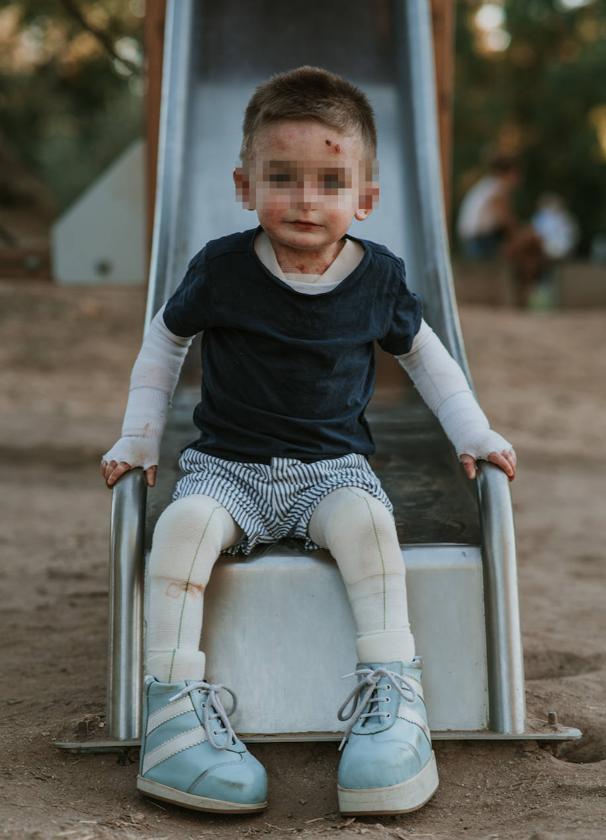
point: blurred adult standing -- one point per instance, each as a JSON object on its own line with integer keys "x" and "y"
{"x": 489, "y": 228}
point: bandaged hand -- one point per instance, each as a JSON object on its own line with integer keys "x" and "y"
{"x": 444, "y": 388}
{"x": 468, "y": 429}
{"x": 153, "y": 380}
{"x": 506, "y": 460}
{"x": 133, "y": 450}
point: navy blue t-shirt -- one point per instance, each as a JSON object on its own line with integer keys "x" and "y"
{"x": 286, "y": 374}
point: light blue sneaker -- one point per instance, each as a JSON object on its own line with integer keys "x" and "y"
{"x": 191, "y": 756}
{"x": 388, "y": 765}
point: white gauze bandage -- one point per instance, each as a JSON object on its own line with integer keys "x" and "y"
{"x": 153, "y": 381}
{"x": 444, "y": 388}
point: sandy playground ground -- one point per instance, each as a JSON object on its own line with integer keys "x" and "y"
{"x": 65, "y": 356}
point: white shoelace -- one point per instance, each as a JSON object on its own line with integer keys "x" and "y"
{"x": 213, "y": 701}
{"x": 368, "y": 679}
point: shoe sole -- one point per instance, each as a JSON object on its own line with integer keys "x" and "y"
{"x": 397, "y": 799}
{"x": 196, "y": 803}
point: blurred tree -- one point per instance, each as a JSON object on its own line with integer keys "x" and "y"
{"x": 530, "y": 80}
{"x": 70, "y": 93}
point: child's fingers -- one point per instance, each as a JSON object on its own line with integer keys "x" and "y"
{"x": 150, "y": 475}
{"x": 113, "y": 470}
{"x": 117, "y": 472}
{"x": 469, "y": 465}
{"x": 506, "y": 460}
{"x": 107, "y": 467}
{"x": 504, "y": 463}
{"x": 511, "y": 457}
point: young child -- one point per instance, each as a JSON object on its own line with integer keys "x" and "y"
{"x": 289, "y": 313}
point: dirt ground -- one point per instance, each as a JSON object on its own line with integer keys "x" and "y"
{"x": 65, "y": 355}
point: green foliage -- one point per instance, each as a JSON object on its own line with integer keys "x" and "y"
{"x": 70, "y": 107}
{"x": 537, "y": 99}
{"x": 67, "y": 112}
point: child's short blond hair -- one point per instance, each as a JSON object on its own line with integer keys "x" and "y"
{"x": 309, "y": 93}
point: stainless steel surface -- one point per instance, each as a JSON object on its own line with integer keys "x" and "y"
{"x": 168, "y": 256}
{"x": 215, "y": 55}
{"x": 266, "y": 620}
{"x": 505, "y": 655}
{"x": 543, "y": 733}
{"x": 105, "y": 745}
{"x": 540, "y": 731}
{"x": 426, "y": 246}
{"x": 125, "y": 643}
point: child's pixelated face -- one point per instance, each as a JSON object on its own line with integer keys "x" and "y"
{"x": 307, "y": 183}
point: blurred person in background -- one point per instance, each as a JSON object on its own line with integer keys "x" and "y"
{"x": 556, "y": 226}
{"x": 488, "y": 227}
{"x": 559, "y": 232}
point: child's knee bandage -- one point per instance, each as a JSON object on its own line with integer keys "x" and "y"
{"x": 361, "y": 535}
{"x": 189, "y": 536}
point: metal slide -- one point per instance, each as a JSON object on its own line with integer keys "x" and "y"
{"x": 215, "y": 54}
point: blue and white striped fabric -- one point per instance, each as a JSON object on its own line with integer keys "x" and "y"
{"x": 273, "y": 501}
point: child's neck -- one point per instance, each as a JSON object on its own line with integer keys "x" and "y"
{"x": 296, "y": 261}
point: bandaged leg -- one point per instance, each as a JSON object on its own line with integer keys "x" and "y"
{"x": 360, "y": 533}
{"x": 188, "y": 538}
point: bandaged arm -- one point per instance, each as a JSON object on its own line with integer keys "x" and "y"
{"x": 444, "y": 388}
{"x": 153, "y": 381}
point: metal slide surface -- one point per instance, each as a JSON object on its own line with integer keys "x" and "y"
{"x": 217, "y": 53}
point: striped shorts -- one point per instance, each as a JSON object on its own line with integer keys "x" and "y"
{"x": 273, "y": 501}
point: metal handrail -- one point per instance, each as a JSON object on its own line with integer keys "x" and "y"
{"x": 125, "y": 621}
{"x": 127, "y": 543}
{"x": 167, "y": 259}
{"x": 507, "y": 704}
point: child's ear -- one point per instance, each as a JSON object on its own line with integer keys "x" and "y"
{"x": 369, "y": 198}
{"x": 243, "y": 191}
